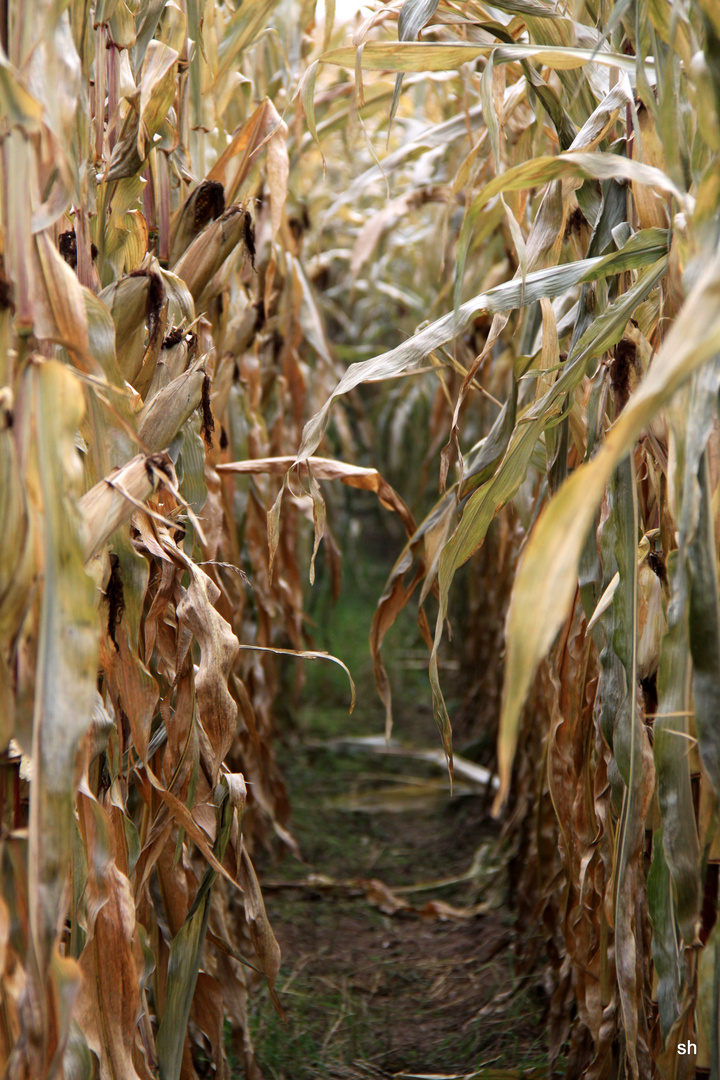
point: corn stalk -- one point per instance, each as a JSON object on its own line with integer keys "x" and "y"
{"x": 577, "y": 160}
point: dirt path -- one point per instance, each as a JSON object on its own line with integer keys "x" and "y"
{"x": 372, "y": 988}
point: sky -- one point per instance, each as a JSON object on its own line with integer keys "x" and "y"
{"x": 345, "y": 9}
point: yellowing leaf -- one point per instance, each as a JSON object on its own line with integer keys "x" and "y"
{"x": 437, "y": 56}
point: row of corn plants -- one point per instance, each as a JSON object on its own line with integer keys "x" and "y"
{"x": 158, "y": 331}
{"x": 565, "y": 177}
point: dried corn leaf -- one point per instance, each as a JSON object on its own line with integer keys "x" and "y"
{"x": 261, "y": 932}
{"x": 148, "y": 109}
{"x": 326, "y": 469}
{"x": 115, "y": 498}
{"x": 109, "y": 1000}
{"x": 218, "y": 652}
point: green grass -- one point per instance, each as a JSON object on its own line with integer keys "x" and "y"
{"x": 343, "y": 628}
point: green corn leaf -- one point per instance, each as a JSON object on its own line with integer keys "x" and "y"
{"x": 631, "y": 751}
{"x": 672, "y": 764}
{"x": 593, "y": 166}
{"x": 644, "y": 248}
{"x": 185, "y": 959}
{"x": 487, "y": 499}
{"x": 666, "y": 954}
{"x": 548, "y": 584}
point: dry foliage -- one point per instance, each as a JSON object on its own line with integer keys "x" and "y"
{"x": 160, "y": 332}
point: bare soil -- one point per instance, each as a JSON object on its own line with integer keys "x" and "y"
{"x": 368, "y": 992}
